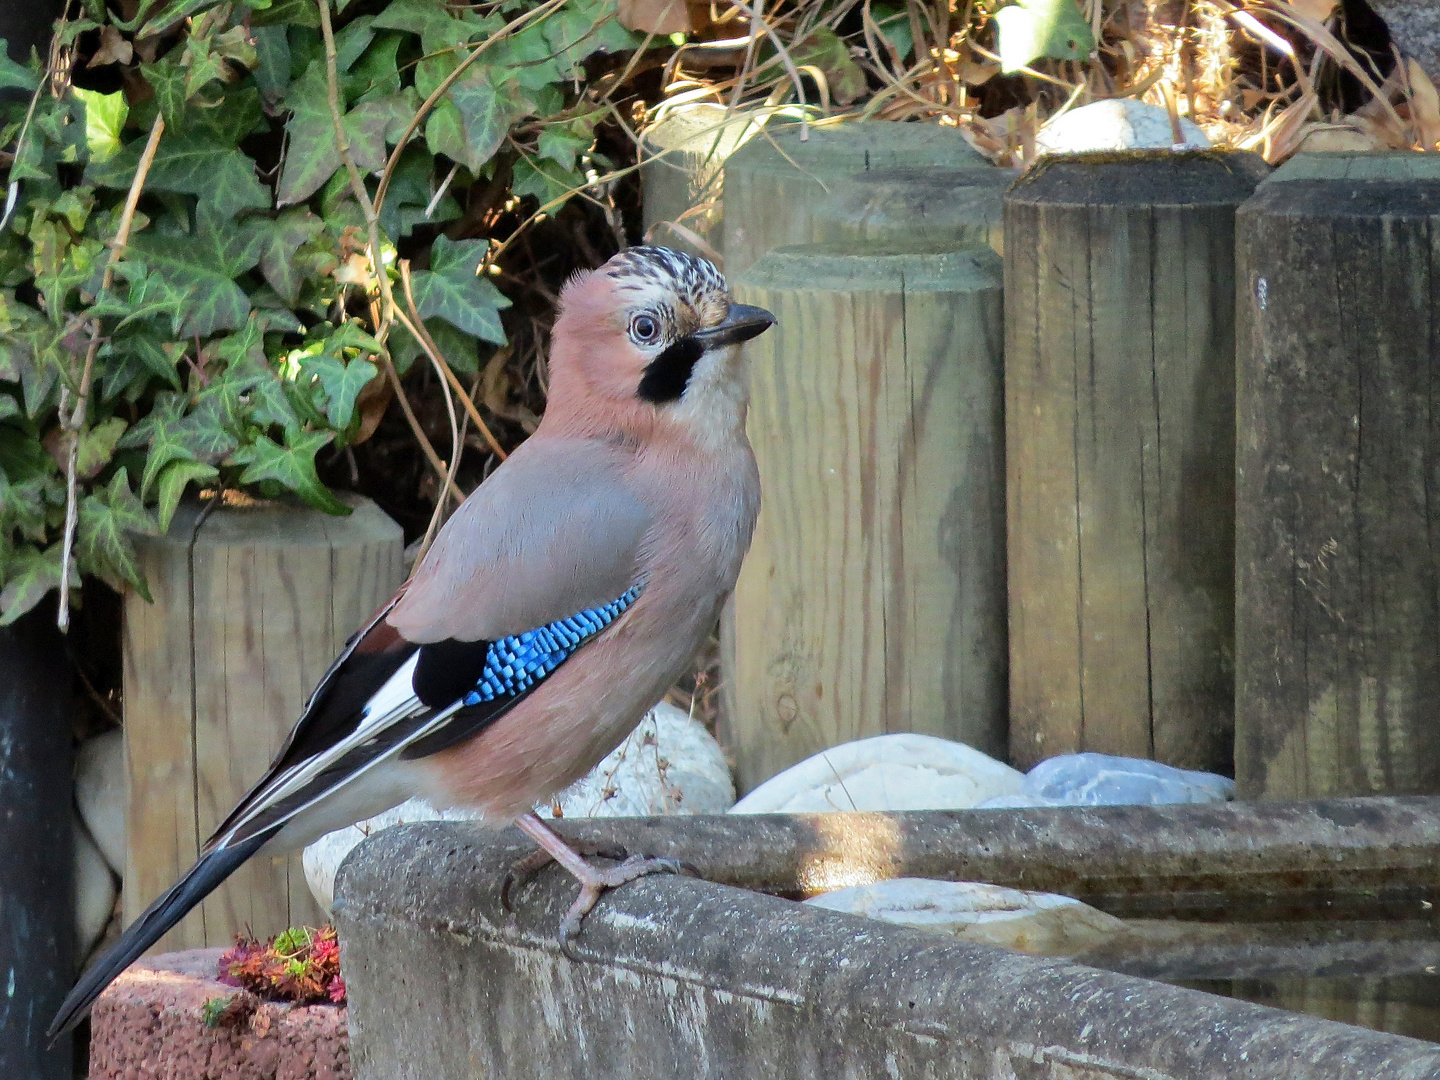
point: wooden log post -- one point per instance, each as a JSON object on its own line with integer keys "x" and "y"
{"x": 688, "y": 148}
{"x": 920, "y": 207}
{"x": 252, "y": 602}
{"x": 1337, "y": 617}
{"x": 1119, "y": 406}
{"x": 775, "y": 182}
{"x": 873, "y": 596}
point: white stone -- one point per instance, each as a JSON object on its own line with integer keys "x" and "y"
{"x": 322, "y": 859}
{"x": 903, "y": 771}
{"x": 1117, "y": 124}
{"x": 669, "y": 765}
{"x": 100, "y": 794}
{"x": 95, "y": 890}
{"x": 1105, "y": 780}
{"x": 1042, "y": 924}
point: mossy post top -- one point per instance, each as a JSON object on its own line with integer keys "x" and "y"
{"x": 855, "y": 147}
{"x": 1141, "y": 178}
{"x": 1395, "y": 166}
{"x": 1371, "y": 186}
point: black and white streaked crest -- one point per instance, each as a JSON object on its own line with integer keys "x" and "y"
{"x": 693, "y": 279}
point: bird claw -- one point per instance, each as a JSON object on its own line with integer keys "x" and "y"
{"x": 636, "y": 866}
{"x": 525, "y": 870}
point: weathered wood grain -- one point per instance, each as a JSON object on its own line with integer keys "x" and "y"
{"x": 775, "y": 182}
{"x": 918, "y": 206}
{"x": 873, "y": 596}
{"x": 688, "y": 148}
{"x": 1337, "y": 614}
{"x": 159, "y": 735}
{"x": 260, "y": 599}
{"x": 1119, "y": 375}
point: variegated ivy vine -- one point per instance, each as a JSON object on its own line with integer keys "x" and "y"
{"x": 238, "y": 327}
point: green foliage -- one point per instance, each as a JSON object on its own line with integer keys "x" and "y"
{"x": 1030, "y": 29}
{"x": 235, "y": 340}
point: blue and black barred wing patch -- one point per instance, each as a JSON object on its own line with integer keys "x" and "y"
{"x": 507, "y": 670}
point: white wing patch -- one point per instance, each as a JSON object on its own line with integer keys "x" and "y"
{"x": 394, "y": 702}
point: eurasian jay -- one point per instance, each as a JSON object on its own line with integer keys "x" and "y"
{"x": 559, "y": 602}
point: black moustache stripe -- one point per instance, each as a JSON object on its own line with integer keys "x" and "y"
{"x": 668, "y": 374}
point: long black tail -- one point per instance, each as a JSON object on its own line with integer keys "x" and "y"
{"x": 168, "y": 909}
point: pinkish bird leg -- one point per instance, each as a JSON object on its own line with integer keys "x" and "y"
{"x": 593, "y": 882}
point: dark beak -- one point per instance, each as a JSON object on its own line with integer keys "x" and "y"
{"x": 742, "y": 322}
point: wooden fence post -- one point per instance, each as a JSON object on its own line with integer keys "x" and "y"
{"x": 251, "y": 605}
{"x": 776, "y": 180}
{"x": 1337, "y": 619}
{"x": 695, "y": 141}
{"x": 873, "y": 596}
{"x": 1119, "y": 394}
{"x": 918, "y": 207}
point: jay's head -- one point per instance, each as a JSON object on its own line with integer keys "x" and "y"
{"x": 654, "y": 330}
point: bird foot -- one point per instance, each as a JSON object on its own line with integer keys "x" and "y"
{"x": 594, "y": 881}
{"x": 636, "y": 866}
{"x": 525, "y": 870}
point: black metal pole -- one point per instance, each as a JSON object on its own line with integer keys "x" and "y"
{"x": 37, "y": 889}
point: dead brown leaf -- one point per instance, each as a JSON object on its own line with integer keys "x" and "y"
{"x": 1319, "y": 10}
{"x": 113, "y": 49}
{"x": 1424, "y": 105}
{"x": 655, "y": 16}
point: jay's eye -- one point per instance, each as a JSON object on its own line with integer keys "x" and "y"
{"x": 644, "y": 329}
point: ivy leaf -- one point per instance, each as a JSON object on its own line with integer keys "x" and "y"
{"x": 272, "y": 50}
{"x": 438, "y": 29}
{"x": 584, "y": 27}
{"x": 104, "y": 117}
{"x": 544, "y": 179}
{"x": 22, "y": 507}
{"x": 352, "y": 41}
{"x": 826, "y": 50}
{"x": 450, "y": 290}
{"x": 313, "y": 157}
{"x": 167, "y": 78}
{"x": 378, "y": 71}
{"x": 165, "y": 15}
{"x": 291, "y": 466}
{"x": 470, "y": 123}
{"x": 13, "y": 76}
{"x": 283, "y": 237}
{"x": 561, "y": 143}
{"x": 343, "y": 383}
{"x": 97, "y": 446}
{"x": 29, "y": 575}
{"x": 193, "y": 163}
{"x": 205, "y": 264}
{"x": 173, "y": 482}
{"x": 298, "y": 13}
{"x": 1030, "y": 29}
{"x": 101, "y": 541}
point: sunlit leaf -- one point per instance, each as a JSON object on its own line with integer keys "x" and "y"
{"x": 1030, "y": 29}
{"x": 104, "y": 118}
